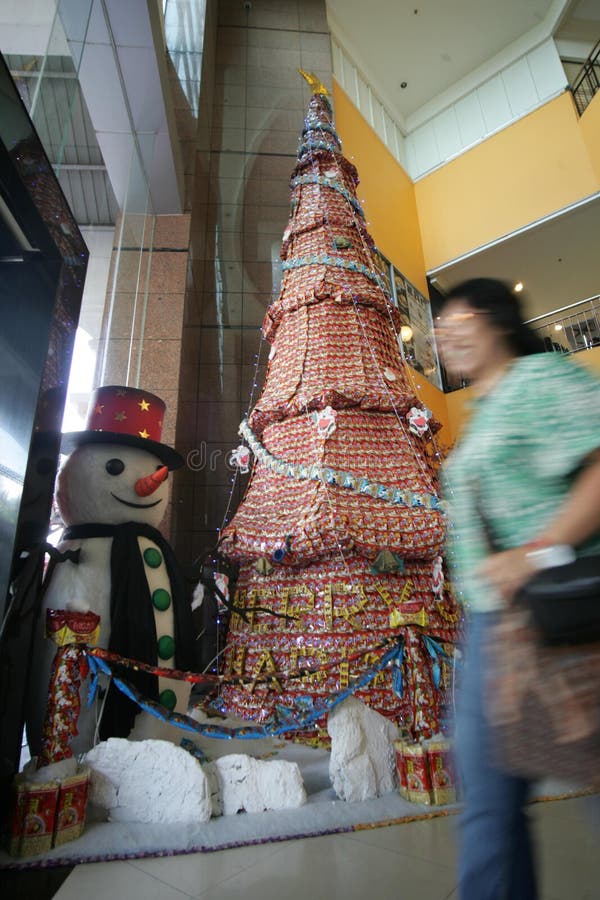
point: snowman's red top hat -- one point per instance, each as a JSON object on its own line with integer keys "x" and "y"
{"x": 125, "y": 415}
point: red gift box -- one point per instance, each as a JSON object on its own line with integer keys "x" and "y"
{"x": 418, "y": 780}
{"x": 48, "y": 814}
{"x": 441, "y": 768}
{"x": 34, "y": 814}
{"x": 70, "y": 811}
{"x": 401, "y": 767}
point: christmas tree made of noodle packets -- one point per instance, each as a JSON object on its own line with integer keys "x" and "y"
{"x": 340, "y": 531}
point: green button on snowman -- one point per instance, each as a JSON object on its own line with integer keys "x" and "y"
{"x": 112, "y": 494}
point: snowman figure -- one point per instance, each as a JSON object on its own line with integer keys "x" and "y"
{"x": 112, "y": 495}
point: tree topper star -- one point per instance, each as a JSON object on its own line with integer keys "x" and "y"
{"x": 314, "y": 82}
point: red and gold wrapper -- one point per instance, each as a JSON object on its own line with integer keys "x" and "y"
{"x": 71, "y": 631}
{"x": 308, "y": 545}
{"x": 418, "y": 778}
{"x": 441, "y": 768}
{"x": 49, "y": 814}
{"x": 401, "y": 768}
{"x": 33, "y": 817}
{"x": 338, "y": 610}
{"x": 66, "y": 627}
{"x": 71, "y": 806}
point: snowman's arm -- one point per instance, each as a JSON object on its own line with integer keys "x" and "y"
{"x": 81, "y": 587}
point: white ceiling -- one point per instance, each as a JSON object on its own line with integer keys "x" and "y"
{"x": 431, "y": 44}
{"x": 437, "y": 50}
{"x": 558, "y": 262}
{"x": 582, "y": 22}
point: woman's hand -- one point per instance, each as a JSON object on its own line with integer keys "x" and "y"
{"x": 508, "y": 571}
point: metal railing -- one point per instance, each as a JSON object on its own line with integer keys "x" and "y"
{"x": 587, "y": 82}
{"x": 570, "y": 328}
{"x": 567, "y": 330}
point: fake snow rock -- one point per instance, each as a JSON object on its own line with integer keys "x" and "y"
{"x": 112, "y": 494}
{"x": 148, "y": 781}
{"x": 254, "y": 785}
{"x": 362, "y": 764}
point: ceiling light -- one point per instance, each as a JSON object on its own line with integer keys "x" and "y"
{"x": 406, "y": 333}
{"x": 558, "y": 327}
{"x": 518, "y": 286}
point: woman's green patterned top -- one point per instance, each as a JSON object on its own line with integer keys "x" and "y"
{"x": 516, "y": 461}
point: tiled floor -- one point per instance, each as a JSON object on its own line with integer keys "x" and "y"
{"x": 406, "y": 862}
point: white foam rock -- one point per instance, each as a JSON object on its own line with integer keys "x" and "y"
{"x": 148, "y": 781}
{"x": 362, "y": 764}
{"x": 255, "y": 785}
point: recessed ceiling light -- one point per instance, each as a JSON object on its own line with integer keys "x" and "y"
{"x": 518, "y": 286}
{"x": 558, "y": 327}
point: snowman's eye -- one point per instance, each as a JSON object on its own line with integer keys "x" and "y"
{"x": 115, "y": 466}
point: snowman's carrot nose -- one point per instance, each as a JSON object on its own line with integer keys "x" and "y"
{"x": 147, "y": 485}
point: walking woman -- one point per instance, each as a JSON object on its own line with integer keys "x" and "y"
{"x": 527, "y": 472}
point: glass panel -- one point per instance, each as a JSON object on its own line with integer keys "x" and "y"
{"x": 42, "y": 270}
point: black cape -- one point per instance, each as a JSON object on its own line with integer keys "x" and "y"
{"x": 133, "y": 631}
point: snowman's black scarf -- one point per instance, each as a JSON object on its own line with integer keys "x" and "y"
{"x": 133, "y": 632}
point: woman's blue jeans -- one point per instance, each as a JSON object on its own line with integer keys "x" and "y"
{"x": 496, "y": 858}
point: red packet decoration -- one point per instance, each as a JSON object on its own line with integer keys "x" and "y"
{"x": 418, "y": 420}
{"x": 341, "y": 520}
{"x": 325, "y": 420}
{"x": 70, "y": 631}
{"x": 441, "y": 770}
{"x": 32, "y": 822}
{"x": 47, "y": 813}
{"x": 240, "y": 457}
{"x": 437, "y": 578}
{"x": 222, "y": 584}
{"x": 426, "y": 771}
{"x": 418, "y": 780}
{"x": 70, "y": 810}
{"x": 401, "y": 767}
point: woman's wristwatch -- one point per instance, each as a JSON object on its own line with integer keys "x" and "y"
{"x": 548, "y": 556}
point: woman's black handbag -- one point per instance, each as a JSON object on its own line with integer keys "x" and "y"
{"x": 564, "y": 602}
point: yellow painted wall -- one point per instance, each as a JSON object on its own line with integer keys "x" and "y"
{"x": 534, "y": 167}
{"x": 590, "y": 129}
{"x": 385, "y": 190}
{"x": 388, "y": 197}
{"x": 435, "y": 400}
{"x": 543, "y": 162}
{"x": 590, "y": 359}
{"x": 457, "y": 403}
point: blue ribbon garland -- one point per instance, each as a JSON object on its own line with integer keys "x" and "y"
{"x": 436, "y": 652}
{"x": 325, "y": 259}
{"x": 346, "y": 480}
{"x": 306, "y": 713}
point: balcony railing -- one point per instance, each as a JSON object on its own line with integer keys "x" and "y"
{"x": 570, "y": 328}
{"x": 587, "y": 82}
{"x": 567, "y": 330}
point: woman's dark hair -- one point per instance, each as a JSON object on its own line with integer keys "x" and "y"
{"x": 497, "y": 300}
